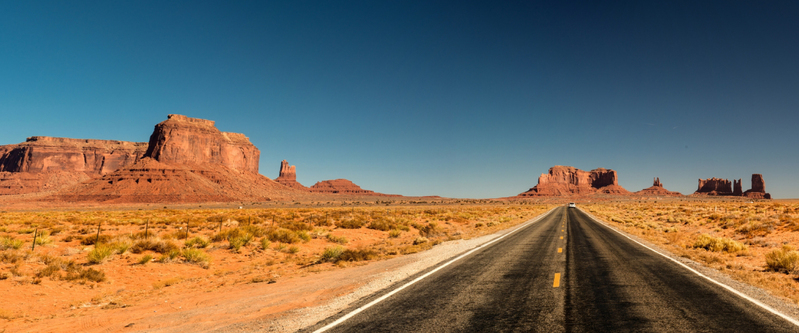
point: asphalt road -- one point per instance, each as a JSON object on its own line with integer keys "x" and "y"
{"x": 564, "y": 273}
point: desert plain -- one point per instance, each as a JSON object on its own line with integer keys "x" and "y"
{"x": 184, "y": 234}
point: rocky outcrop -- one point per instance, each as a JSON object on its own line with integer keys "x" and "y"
{"x": 46, "y": 163}
{"x": 288, "y": 176}
{"x": 714, "y": 186}
{"x": 737, "y": 190}
{"x": 657, "y": 190}
{"x": 187, "y": 160}
{"x": 758, "y": 190}
{"x": 340, "y": 186}
{"x": 192, "y": 141}
{"x": 717, "y": 186}
{"x": 566, "y": 181}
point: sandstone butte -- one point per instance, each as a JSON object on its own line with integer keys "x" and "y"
{"x": 288, "y": 176}
{"x": 657, "y": 190}
{"x": 718, "y": 186}
{"x": 569, "y": 181}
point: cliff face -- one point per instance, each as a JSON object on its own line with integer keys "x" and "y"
{"x": 192, "y": 141}
{"x": 566, "y": 180}
{"x": 46, "y": 154}
{"x": 288, "y": 176}
{"x": 45, "y": 163}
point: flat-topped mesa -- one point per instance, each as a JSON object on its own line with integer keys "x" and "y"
{"x": 40, "y": 154}
{"x": 758, "y": 190}
{"x": 288, "y": 176}
{"x": 714, "y": 186}
{"x": 192, "y": 141}
{"x": 657, "y": 190}
{"x": 566, "y": 180}
{"x": 340, "y": 186}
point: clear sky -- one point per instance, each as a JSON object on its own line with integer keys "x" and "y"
{"x": 459, "y": 99}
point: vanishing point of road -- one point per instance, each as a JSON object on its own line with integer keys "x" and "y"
{"x": 562, "y": 273}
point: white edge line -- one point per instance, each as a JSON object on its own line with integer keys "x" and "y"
{"x": 731, "y": 289}
{"x": 382, "y": 298}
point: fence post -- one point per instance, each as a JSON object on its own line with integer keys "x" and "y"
{"x": 97, "y": 240}
{"x": 33, "y": 246}
{"x": 146, "y": 229}
{"x": 187, "y": 229}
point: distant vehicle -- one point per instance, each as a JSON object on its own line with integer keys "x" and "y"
{"x": 572, "y": 205}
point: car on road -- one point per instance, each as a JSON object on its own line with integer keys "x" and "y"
{"x": 572, "y": 205}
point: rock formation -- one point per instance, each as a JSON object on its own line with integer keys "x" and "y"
{"x": 187, "y": 160}
{"x": 737, "y": 190}
{"x": 565, "y": 180}
{"x": 717, "y": 186}
{"x": 45, "y": 163}
{"x": 714, "y": 186}
{"x": 192, "y": 141}
{"x": 758, "y": 190}
{"x": 340, "y": 186}
{"x": 657, "y": 190}
{"x": 288, "y": 176}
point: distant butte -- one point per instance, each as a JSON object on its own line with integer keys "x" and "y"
{"x": 723, "y": 187}
{"x": 657, "y": 190}
{"x": 340, "y": 186}
{"x": 288, "y": 176}
{"x": 568, "y": 181}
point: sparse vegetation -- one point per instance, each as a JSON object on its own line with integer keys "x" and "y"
{"x": 156, "y": 239}
{"x": 7, "y": 242}
{"x": 337, "y": 239}
{"x": 719, "y": 244}
{"x": 785, "y": 260}
{"x": 100, "y": 253}
{"x": 332, "y": 254}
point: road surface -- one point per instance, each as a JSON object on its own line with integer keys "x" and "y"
{"x": 563, "y": 273}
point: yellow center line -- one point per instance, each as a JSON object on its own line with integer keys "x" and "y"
{"x": 561, "y": 237}
{"x": 557, "y": 281}
{"x": 560, "y": 250}
{"x": 561, "y": 230}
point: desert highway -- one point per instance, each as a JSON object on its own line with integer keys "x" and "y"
{"x": 562, "y": 273}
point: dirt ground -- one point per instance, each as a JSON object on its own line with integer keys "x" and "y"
{"x": 48, "y": 288}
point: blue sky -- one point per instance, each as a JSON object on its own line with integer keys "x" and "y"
{"x": 459, "y": 99}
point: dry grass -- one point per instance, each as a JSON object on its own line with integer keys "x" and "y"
{"x": 244, "y": 245}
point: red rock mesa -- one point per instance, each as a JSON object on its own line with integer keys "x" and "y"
{"x": 45, "y": 163}
{"x": 340, "y": 186}
{"x": 192, "y": 141}
{"x": 566, "y": 180}
{"x": 187, "y": 160}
